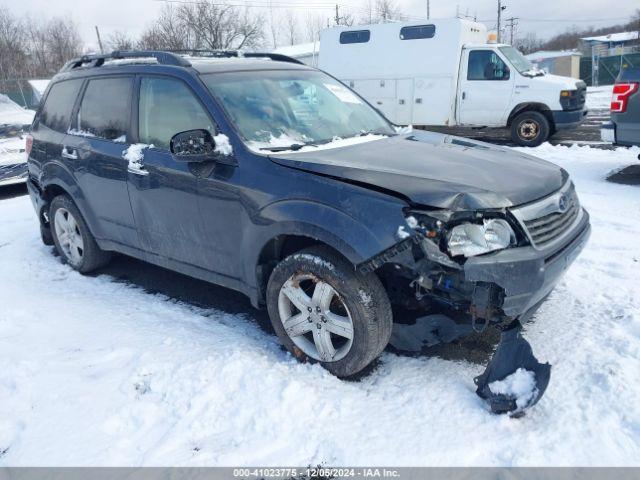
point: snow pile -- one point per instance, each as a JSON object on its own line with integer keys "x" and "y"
{"x": 223, "y": 146}
{"x": 98, "y": 371}
{"x": 520, "y": 386}
{"x": 135, "y": 156}
{"x": 132, "y": 61}
{"x": 80, "y": 133}
{"x": 401, "y": 233}
{"x": 599, "y": 98}
{"x": 404, "y": 130}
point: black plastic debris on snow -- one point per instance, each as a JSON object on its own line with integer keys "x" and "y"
{"x": 627, "y": 176}
{"x": 513, "y": 352}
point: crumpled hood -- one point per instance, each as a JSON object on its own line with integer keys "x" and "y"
{"x": 435, "y": 170}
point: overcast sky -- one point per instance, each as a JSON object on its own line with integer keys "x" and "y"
{"x": 547, "y": 18}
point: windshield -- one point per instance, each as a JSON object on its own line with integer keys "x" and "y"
{"x": 518, "y": 60}
{"x": 281, "y": 109}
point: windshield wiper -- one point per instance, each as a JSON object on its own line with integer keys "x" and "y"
{"x": 377, "y": 131}
{"x": 294, "y": 146}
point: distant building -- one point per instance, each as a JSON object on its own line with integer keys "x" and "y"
{"x": 307, "y": 53}
{"x": 606, "y": 55}
{"x": 563, "y": 62}
{"x": 612, "y": 44}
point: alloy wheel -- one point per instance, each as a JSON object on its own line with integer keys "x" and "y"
{"x": 315, "y": 317}
{"x": 69, "y": 236}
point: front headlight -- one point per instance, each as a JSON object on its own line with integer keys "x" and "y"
{"x": 470, "y": 239}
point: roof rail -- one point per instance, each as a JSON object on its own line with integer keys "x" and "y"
{"x": 236, "y": 53}
{"x": 97, "y": 60}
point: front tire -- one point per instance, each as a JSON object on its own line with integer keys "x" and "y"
{"x": 323, "y": 310}
{"x": 530, "y": 129}
{"x": 73, "y": 240}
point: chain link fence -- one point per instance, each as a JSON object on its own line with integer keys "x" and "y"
{"x": 607, "y": 68}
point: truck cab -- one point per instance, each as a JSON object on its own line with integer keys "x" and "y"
{"x": 445, "y": 73}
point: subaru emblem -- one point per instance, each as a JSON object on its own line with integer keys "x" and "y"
{"x": 563, "y": 203}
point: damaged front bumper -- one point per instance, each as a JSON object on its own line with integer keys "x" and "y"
{"x": 503, "y": 287}
{"x": 526, "y": 275}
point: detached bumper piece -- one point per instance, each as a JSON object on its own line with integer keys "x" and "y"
{"x": 514, "y": 379}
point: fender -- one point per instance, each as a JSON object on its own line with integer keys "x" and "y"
{"x": 358, "y": 239}
{"x": 521, "y": 107}
{"x": 56, "y": 173}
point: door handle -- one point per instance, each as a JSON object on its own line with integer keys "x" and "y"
{"x": 70, "y": 154}
{"x": 464, "y": 95}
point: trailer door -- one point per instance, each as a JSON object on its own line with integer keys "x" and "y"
{"x": 486, "y": 87}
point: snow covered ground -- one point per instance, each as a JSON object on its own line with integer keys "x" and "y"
{"x": 99, "y": 372}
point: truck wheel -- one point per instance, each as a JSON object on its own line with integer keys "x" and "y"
{"x": 530, "y": 129}
{"x": 323, "y": 310}
{"x": 74, "y": 242}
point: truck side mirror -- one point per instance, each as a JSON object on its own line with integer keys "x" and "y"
{"x": 197, "y": 146}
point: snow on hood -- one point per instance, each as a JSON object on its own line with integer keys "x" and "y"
{"x": 564, "y": 83}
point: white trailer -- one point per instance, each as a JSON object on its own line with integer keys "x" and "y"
{"x": 444, "y": 73}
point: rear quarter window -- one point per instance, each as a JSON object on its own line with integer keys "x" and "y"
{"x": 106, "y": 108}
{"x": 58, "y": 106}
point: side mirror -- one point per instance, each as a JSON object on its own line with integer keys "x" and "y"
{"x": 193, "y": 146}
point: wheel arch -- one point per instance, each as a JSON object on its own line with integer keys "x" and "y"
{"x": 531, "y": 107}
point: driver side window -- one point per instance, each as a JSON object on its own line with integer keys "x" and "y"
{"x": 486, "y": 65}
{"x": 166, "y": 107}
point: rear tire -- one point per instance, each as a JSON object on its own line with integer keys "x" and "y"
{"x": 346, "y": 332}
{"x": 530, "y": 129}
{"x": 73, "y": 240}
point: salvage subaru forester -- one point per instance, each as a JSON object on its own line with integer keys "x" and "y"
{"x": 272, "y": 178}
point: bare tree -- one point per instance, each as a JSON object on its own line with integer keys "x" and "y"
{"x": 369, "y": 15}
{"x": 528, "y": 44}
{"x": 313, "y": 24}
{"x": 13, "y": 55}
{"x": 38, "y": 46}
{"x": 386, "y": 11}
{"x": 291, "y": 27}
{"x": 120, "y": 40}
{"x": 63, "y": 41}
{"x": 168, "y": 32}
{"x": 214, "y": 26}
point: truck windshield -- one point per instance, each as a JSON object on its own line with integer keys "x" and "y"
{"x": 519, "y": 61}
{"x": 288, "y": 109}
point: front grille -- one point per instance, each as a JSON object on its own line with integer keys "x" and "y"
{"x": 576, "y": 101}
{"x": 550, "y": 226}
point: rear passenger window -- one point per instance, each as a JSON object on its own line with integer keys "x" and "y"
{"x": 167, "y": 106}
{"x": 356, "y": 36}
{"x": 56, "y": 112}
{"x": 418, "y": 31}
{"x": 106, "y": 108}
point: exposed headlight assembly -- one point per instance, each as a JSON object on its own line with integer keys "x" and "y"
{"x": 471, "y": 239}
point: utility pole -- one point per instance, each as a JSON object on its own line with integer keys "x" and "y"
{"x": 500, "y": 9}
{"x": 428, "y": 9}
{"x": 99, "y": 40}
{"x": 337, "y": 15}
{"x": 512, "y": 23}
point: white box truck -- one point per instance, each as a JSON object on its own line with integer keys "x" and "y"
{"x": 444, "y": 73}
